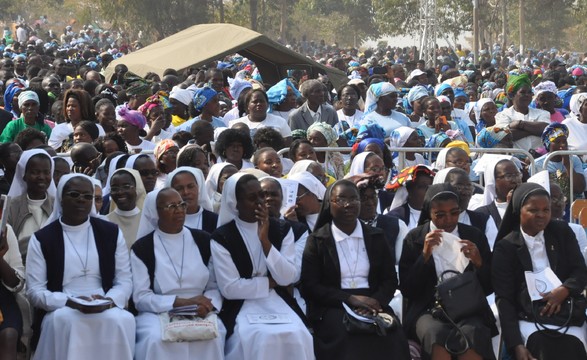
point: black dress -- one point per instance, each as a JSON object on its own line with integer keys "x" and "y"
{"x": 418, "y": 281}
{"x": 324, "y": 296}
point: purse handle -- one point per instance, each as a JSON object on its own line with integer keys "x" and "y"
{"x": 541, "y": 327}
{"x": 441, "y": 277}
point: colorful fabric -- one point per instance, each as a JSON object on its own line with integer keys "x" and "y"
{"x": 489, "y": 137}
{"x": 138, "y": 87}
{"x": 202, "y": 96}
{"x": 375, "y": 92}
{"x": 407, "y": 175}
{"x": 459, "y": 144}
{"x": 9, "y": 93}
{"x": 162, "y": 147}
{"x": 370, "y": 131}
{"x": 515, "y": 82}
{"x": 299, "y": 134}
{"x": 326, "y": 130}
{"x": 552, "y": 132}
{"x": 133, "y": 117}
{"x": 436, "y": 140}
{"x": 278, "y": 92}
{"x": 416, "y": 93}
{"x": 360, "y": 146}
{"x": 159, "y": 99}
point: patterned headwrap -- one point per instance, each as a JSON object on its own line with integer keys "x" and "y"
{"x": 375, "y": 92}
{"x": 133, "y": 117}
{"x": 278, "y": 92}
{"x": 162, "y": 147}
{"x": 326, "y": 130}
{"x": 491, "y": 136}
{"x": 370, "y": 131}
{"x": 407, "y": 175}
{"x": 159, "y": 99}
{"x": 552, "y": 132}
{"x": 299, "y": 134}
{"x": 202, "y": 96}
{"x": 11, "y": 90}
{"x": 545, "y": 86}
{"x": 359, "y": 147}
{"x": 416, "y": 93}
{"x": 515, "y": 82}
{"x": 138, "y": 87}
{"x": 400, "y": 135}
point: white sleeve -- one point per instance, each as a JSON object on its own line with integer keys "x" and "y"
{"x": 282, "y": 264}
{"x": 122, "y": 286}
{"x": 284, "y": 129}
{"x": 502, "y": 119}
{"x": 36, "y": 278}
{"x": 581, "y": 238}
{"x": 300, "y": 246}
{"x": 231, "y": 285}
{"x": 211, "y": 291}
{"x": 145, "y": 299}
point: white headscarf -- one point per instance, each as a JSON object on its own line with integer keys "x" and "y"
{"x": 139, "y": 188}
{"x": 486, "y": 165}
{"x": 203, "y": 199}
{"x": 399, "y": 136}
{"x": 149, "y": 216}
{"x": 440, "y": 177}
{"x": 441, "y": 159}
{"x": 111, "y": 170}
{"x": 130, "y": 162}
{"x": 300, "y": 166}
{"x": 228, "y": 211}
{"x": 213, "y": 178}
{"x": 57, "y": 209}
{"x": 358, "y": 164}
{"x": 576, "y": 102}
{"x": 479, "y": 106}
{"x": 310, "y": 182}
{"x": 19, "y": 186}
{"x": 541, "y": 178}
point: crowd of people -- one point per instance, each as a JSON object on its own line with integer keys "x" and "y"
{"x": 133, "y": 196}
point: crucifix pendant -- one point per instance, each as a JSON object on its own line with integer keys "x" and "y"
{"x": 85, "y": 271}
{"x": 353, "y": 284}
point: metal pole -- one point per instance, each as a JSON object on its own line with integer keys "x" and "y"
{"x": 522, "y": 26}
{"x": 475, "y": 31}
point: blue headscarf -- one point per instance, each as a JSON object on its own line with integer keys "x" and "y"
{"x": 278, "y": 92}
{"x": 371, "y": 131}
{"x": 440, "y": 88}
{"x": 416, "y": 93}
{"x": 202, "y": 96}
{"x": 375, "y": 92}
{"x": 461, "y": 93}
{"x": 552, "y": 132}
{"x": 11, "y": 90}
{"x": 434, "y": 142}
{"x": 365, "y": 142}
{"x": 489, "y": 137}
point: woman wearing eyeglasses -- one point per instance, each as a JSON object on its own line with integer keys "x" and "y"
{"x": 254, "y": 262}
{"x": 32, "y": 194}
{"x": 348, "y": 262}
{"x": 127, "y": 195}
{"x": 309, "y": 198}
{"x": 171, "y": 268}
{"x": 146, "y": 167}
{"x": 78, "y": 277}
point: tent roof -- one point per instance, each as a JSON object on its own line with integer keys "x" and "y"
{"x": 201, "y": 44}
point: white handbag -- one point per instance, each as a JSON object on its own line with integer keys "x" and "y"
{"x": 179, "y": 328}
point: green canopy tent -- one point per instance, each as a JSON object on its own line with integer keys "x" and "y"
{"x": 201, "y": 44}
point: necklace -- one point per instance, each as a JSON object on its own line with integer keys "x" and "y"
{"x": 85, "y": 269}
{"x": 353, "y": 283}
{"x": 180, "y": 273}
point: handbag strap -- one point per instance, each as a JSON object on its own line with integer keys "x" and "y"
{"x": 459, "y": 332}
{"x": 541, "y": 327}
{"x": 441, "y": 276}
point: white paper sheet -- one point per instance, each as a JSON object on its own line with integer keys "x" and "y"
{"x": 290, "y": 192}
{"x": 354, "y": 314}
{"x": 448, "y": 255}
{"x": 541, "y": 282}
{"x": 269, "y": 319}
{"x": 94, "y": 302}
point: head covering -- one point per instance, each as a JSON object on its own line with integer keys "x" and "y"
{"x": 111, "y": 169}
{"x": 406, "y": 176}
{"x": 213, "y": 177}
{"x": 515, "y": 82}
{"x": 444, "y": 99}
{"x": 154, "y": 101}
{"x": 57, "y": 209}
{"x": 400, "y": 135}
{"x": 237, "y": 85}
{"x": 541, "y": 178}
{"x": 436, "y": 140}
{"x": 440, "y": 177}
{"x": 370, "y": 131}
{"x": 162, "y": 147}
{"x": 461, "y": 93}
{"x": 203, "y": 199}
{"x": 310, "y": 182}
{"x": 149, "y": 215}
{"x": 479, "y": 106}
{"x": 432, "y": 193}
{"x": 19, "y": 186}
{"x": 511, "y": 218}
{"x": 9, "y": 93}
{"x": 202, "y": 96}
{"x": 576, "y": 102}
{"x": 545, "y": 86}
{"x": 459, "y": 144}
{"x": 139, "y": 188}
{"x": 133, "y": 117}
{"x": 358, "y": 163}
{"x": 184, "y": 96}
{"x": 326, "y": 130}
{"x": 324, "y": 216}
{"x": 416, "y": 93}
{"x": 440, "y": 88}
{"x": 359, "y": 147}
{"x": 489, "y": 137}
{"x": 228, "y": 211}
{"x": 130, "y": 161}
{"x": 26, "y": 96}
{"x": 301, "y": 166}
{"x": 552, "y": 132}
{"x": 375, "y": 92}
{"x": 278, "y": 92}
{"x": 486, "y": 166}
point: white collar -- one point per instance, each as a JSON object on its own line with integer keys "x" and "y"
{"x": 532, "y": 241}
{"x": 340, "y": 235}
{"x": 128, "y": 213}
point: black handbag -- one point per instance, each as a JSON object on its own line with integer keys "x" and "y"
{"x": 380, "y": 324}
{"x": 572, "y": 313}
{"x": 461, "y": 295}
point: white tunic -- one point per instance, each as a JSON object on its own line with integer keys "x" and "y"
{"x": 194, "y": 221}
{"x": 65, "y": 332}
{"x": 197, "y": 279}
{"x": 262, "y": 341}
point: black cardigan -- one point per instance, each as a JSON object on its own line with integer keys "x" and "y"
{"x": 418, "y": 278}
{"x": 321, "y": 271}
{"x": 511, "y": 258}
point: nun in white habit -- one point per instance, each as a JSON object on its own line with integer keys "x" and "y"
{"x": 190, "y": 184}
{"x": 172, "y": 267}
{"x": 214, "y": 180}
{"x": 254, "y": 256}
{"x": 65, "y": 260}
{"x": 309, "y": 199}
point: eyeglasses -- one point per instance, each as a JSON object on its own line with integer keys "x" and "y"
{"x": 76, "y": 195}
{"x": 125, "y": 187}
{"x": 301, "y": 196}
{"x": 147, "y": 172}
{"x": 346, "y": 202}
{"x": 175, "y": 207}
{"x": 510, "y": 177}
{"x": 98, "y": 199}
